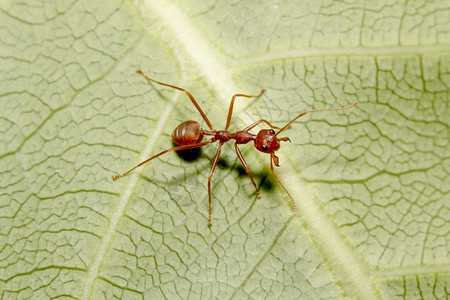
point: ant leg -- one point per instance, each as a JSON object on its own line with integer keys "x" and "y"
{"x": 213, "y": 167}
{"x": 184, "y": 147}
{"x": 230, "y": 110}
{"x": 241, "y": 158}
{"x": 250, "y": 127}
{"x": 284, "y": 188}
{"x": 183, "y": 90}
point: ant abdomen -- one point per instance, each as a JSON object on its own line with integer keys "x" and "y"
{"x": 187, "y": 133}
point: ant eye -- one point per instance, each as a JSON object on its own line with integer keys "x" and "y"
{"x": 264, "y": 147}
{"x": 273, "y": 131}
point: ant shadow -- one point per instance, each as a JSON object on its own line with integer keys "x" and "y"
{"x": 188, "y": 155}
{"x": 263, "y": 178}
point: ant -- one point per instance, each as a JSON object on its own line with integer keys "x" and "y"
{"x": 189, "y": 135}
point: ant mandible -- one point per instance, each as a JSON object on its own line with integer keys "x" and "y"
{"x": 189, "y": 135}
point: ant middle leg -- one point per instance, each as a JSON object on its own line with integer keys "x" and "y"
{"x": 241, "y": 158}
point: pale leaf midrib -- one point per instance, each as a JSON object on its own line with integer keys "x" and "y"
{"x": 132, "y": 179}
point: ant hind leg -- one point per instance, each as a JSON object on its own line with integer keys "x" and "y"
{"x": 230, "y": 110}
{"x": 211, "y": 172}
{"x": 178, "y": 148}
{"x": 183, "y": 90}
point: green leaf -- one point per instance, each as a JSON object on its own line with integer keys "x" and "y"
{"x": 371, "y": 184}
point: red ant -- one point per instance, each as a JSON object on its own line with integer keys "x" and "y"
{"x": 189, "y": 135}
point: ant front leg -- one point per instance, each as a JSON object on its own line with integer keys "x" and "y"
{"x": 241, "y": 158}
{"x": 251, "y": 126}
{"x": 272, "y": 158}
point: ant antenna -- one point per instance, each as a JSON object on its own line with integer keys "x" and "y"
{"x": 314, "y": 111}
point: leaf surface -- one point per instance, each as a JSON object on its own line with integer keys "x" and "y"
{"x": 371, "y": 184}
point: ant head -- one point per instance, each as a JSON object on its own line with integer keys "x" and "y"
{"x": 266, "y": 141}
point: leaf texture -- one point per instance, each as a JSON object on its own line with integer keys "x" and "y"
{"x": 371, "y": 184}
